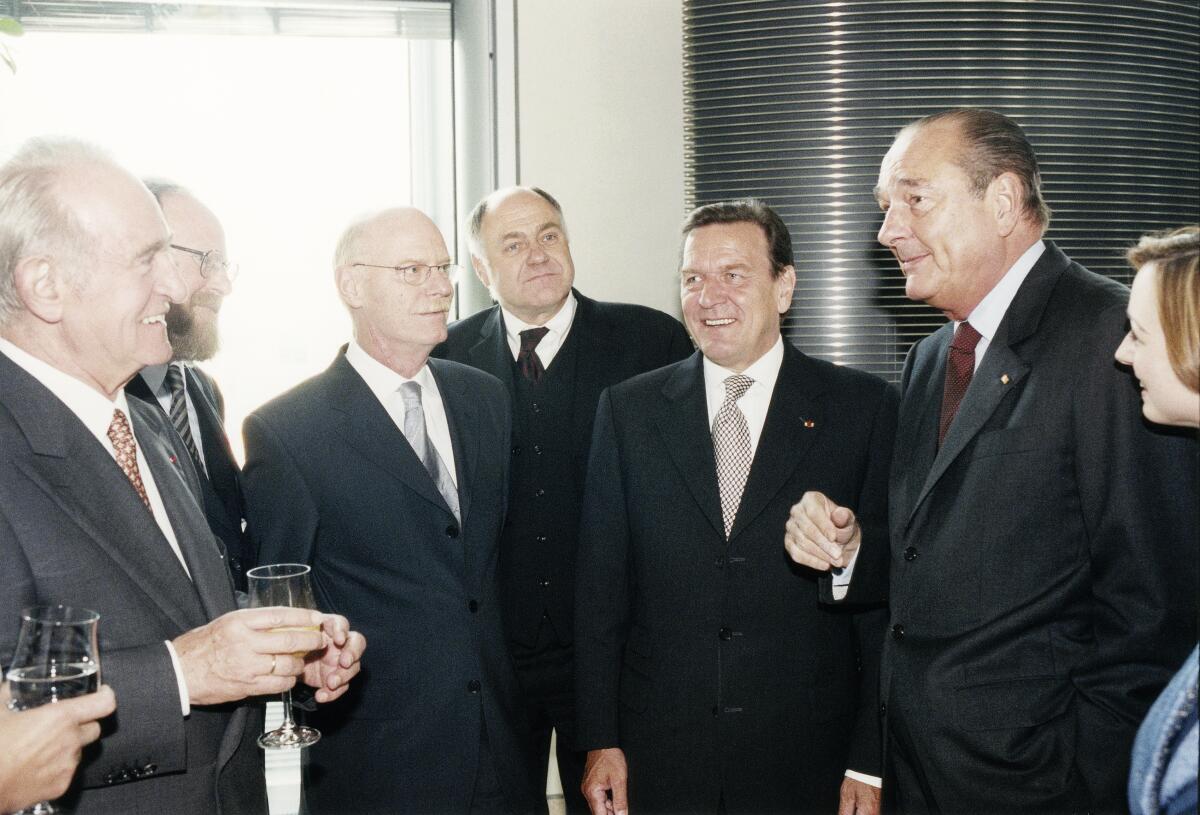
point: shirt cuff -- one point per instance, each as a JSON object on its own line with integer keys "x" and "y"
{"x": 184, "y": 704}
{"x": 842, "y": 575}
{"x": 866, "y": 779}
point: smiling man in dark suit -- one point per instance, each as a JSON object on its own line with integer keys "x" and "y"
{"x": 186, "y": 394}
{"x": 556, "y": 350}
{"x": 98, "y": 510}
{"x": 1043, "y": 562}
{"x": 388, "y": 473}
{"x": 713, "y": 674}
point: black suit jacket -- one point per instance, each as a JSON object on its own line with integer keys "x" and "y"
{"x": 615, "y": 341}
{"x": 331, "y": 481}
{"x": 1043, "y": 560}
{"x": 221, "y": 490}
{"x": 715, "y": 665}
{"x": 72, "y": 530}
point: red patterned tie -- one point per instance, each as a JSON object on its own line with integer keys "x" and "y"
{"x": 528, "y": 362}
{"x": 960, "y": 367}
{"x": 126, "y": 448}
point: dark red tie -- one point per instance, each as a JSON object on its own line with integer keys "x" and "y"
{"x": 528, "y": 362}
{"x": 959, "y": 369}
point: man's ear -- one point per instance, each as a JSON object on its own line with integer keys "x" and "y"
{"x": 481, "y": 270}
{"x": 785, "y": 284}
{"x": 1006, "y": 196}
{"x": 41, "y": 286}
{"x": 349, "y": 283}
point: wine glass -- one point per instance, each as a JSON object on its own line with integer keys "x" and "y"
{"x": 57, "y": 657}
{"x": 284, "y": 584}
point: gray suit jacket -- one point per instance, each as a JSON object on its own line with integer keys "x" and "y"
{"x": 73, "y": 531}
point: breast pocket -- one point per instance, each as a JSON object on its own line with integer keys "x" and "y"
{"x": 1012, "y": 440}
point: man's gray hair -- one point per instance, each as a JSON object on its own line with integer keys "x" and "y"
{"x": 33, "y": 219}
{"x": 475, "y": 219}
{"x": 162, "y": 187}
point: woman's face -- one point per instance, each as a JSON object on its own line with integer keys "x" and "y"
{"x": 1165, "y": 399}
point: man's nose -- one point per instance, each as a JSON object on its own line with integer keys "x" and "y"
{"x": 894, "y": 226}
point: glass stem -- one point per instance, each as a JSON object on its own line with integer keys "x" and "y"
{"x": 289, "y": 724}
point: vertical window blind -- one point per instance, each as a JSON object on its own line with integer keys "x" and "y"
{"x": 797, "y": 102}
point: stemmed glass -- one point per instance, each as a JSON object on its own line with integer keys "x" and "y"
{"x": 284, "y": 584}
{"x": 57, "y": 657}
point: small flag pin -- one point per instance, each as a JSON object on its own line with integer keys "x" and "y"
{"x": 1004, "y": 379}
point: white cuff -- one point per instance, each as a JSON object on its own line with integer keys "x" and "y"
{"x": 842, "y": 575}
{"x": 184, "y": 704}
{"x": 866, "y": 779}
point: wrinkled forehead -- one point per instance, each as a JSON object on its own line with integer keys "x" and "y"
{"x": 918, "y": 156}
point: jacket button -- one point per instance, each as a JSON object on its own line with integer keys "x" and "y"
{"x": 473, "y": 686}
{"x": 537, "y": 448}
{"x": 897, "y": 631}
{"x": 516, "y": 449}
{"x": 473, "y": 606}
{"x": 544, "y": 582}
{"x": 719, "y": 562}
{"x": 883, "y": 708}
{"x": 539, "y": 492}
{"x": 910, "y": 554}
{"x": 541, "y": 539}
{"x": 725, "y": 634}
{"x": 452, "y": 531}
{"x": 716, "y": 711}
{"x": 537, "y": 408}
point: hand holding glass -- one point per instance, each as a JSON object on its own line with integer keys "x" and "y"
{"x": 284, "y": 584}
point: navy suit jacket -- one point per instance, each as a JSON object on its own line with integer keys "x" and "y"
{"x": 1043, "y": 570}
{"x": 73, "y": 531}
{"x": 715, "y": 665}
{"x": 331, "y": 481}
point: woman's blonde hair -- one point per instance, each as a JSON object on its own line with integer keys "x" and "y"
{"x": 1176, "y": 258}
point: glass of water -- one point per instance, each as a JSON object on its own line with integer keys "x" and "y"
{"x": 57, "y": 657}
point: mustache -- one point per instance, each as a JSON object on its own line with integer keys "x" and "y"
{"x": 206, "y": 299}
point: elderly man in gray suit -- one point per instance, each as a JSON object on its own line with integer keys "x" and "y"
{"x": 97, "y": 507}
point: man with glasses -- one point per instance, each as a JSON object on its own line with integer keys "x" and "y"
{"x": 188, "y": 395}
{"x": 388, "y": 473}
{"x": 556, "y": 350}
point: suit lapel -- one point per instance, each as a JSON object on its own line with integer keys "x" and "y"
{"x": 683, "y": 424}
{"x": 492, "y": 354}
{"x": 464, "y": 436}
{"x": 794, "y": 419}
{"x": 603, "y": 353}
{"x": 362, "y": 421}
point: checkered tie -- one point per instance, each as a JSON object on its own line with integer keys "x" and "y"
{"x": 418, "y": 438}
{"x": 179, "y": 414}
{"x": 528, "y": 362}
{"x": 960, "y": 367}
{"x": 125, "y": 446}
{"x": 731, "y": 443}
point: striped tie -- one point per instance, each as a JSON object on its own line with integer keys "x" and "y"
{"x": 179, "y": 415}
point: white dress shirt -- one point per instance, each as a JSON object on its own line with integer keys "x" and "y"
{"x": 385, "y": 383}
{"x": 156, "y": 380}
{"x": 96, "y": 412}
{"x": 558, "y": 327}
{"x": 985, "y": 317}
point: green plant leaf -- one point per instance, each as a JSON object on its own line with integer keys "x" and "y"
{"x": 10, "y": 27}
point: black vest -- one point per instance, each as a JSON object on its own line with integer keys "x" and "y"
{"x": 537, "y": 560}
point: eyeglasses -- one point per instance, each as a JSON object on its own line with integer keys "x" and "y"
{"x": 212, "y": 262}
{"x": 417, "y": 274}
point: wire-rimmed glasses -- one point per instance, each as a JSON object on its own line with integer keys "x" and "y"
{"x": 416, "y": 274}
{"x": 212, "y": 262}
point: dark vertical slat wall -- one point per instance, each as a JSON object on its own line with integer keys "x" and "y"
{"x": 796, "y": 103}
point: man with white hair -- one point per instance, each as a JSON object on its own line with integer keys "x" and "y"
{"x": 97, "y": 509}
{"x": 388, "y": 473}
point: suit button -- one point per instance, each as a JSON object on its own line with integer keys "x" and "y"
{"x": 883, "y": 708}
{"x": 725, "y": 634}
{"x": 452, "y": 531}
{"x": 537, "y": 408}
{"x": 544, "y": 582}
{"x": 719, "y": 562}
{"x": 897, "y": 631}
{"x": 910, "y": 554}
{"x": 473, "y": 606}
{"x": 537, "y": 448}
{"x": 473, "y": 686}
{"x": 541, "y": 539}
{"x": 516, "y": 449}
{"x": 539, "y": 492}
{"x": 716, "y": 711}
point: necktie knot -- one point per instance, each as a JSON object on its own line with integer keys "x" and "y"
{"x": 410, "y": 395}
{"x": 965, "y": 337}
{"x": 530, "y": 338}
{"x": 736, "y": 387}
{"x": 528, "y": 362}
{"x": 174, "y": 379}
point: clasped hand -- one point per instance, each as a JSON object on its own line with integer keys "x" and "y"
{"x": 262, "y": 651}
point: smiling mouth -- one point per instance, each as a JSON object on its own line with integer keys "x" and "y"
{"x": 906, "y": 262}
{"x": 157, "y": 318}
{"x": 717, "y": 323}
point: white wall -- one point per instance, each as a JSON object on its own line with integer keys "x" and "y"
{"x": 600, "y": 126}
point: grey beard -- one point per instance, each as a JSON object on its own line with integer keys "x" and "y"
{"x": 190, "y": 340}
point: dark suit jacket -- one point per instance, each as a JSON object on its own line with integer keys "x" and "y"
{"x": 331, "y": 481}
{"x": 714, "y": 665}
{"x": 615, "y": 341}
{"x": 1043, "y": 561}
{"x": 72, "y": 530}
{"x": 221, "y": 490}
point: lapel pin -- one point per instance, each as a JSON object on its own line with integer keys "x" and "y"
{"x": 1004, "y": 379}
{"x": 172, "y": 459}
{"x": 809, "y": 423}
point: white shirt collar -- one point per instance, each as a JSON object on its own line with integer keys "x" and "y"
{"x": 93, "y": 408}
{"x": 764, "y": 370}
{"x": 558, "y": 325}
{"x": 381, "y": 379}
{"x": 986, "y": 317}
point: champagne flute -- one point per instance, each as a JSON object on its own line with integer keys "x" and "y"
{"x": 57, "y": 657}
{"x": 284, "y": 584}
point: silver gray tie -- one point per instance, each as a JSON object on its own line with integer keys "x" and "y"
{"x": 731, "y": 444}
{"x": 414, "y": 431}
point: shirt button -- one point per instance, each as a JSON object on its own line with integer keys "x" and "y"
{"x": 473, "y": 686}
{"x": 725, "y": 634}
{"x": 452, "y": 531}
{"x": 910, "y": 554}
{"x": 897, "y": 631}
{"x": 473, "y": 606}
